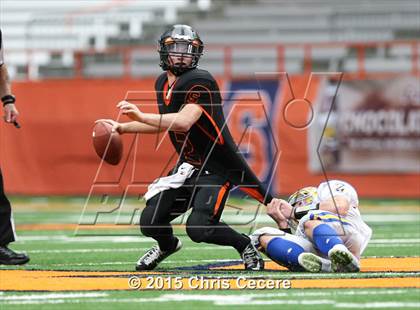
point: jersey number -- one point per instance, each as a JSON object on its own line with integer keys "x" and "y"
{"x": 187, "y": 148}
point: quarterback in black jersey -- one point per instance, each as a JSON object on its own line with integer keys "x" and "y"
{"x": 209, "y": 163}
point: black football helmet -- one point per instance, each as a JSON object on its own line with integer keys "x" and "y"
{"x": 181, "y": 41}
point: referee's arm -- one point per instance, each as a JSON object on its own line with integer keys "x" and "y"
{"x": 7, "y": 99}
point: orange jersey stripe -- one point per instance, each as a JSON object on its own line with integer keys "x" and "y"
{"x": 253, "y": 193}
{"x": 220, "y": 197}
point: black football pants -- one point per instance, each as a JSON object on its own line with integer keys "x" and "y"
{"x": 6, "y": 226}
{"x": 206, "y": 196}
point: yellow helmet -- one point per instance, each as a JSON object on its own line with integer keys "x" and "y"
{"x": 304, "y": 200}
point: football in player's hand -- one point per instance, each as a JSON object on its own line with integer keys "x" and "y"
{"x": 108, "y": 145}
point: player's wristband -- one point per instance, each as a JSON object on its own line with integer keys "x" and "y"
{"x": 300, "y": 212}
{"x": 8, "y": 99}
{"x": 286, "y": 230}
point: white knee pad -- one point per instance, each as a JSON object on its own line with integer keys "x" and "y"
{"x": 277, "y": 233}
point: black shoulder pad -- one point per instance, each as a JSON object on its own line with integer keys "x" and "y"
{"x": 159, "y": 80}
{"x": 196, "y": 77}
{"x": 190, "y": 76}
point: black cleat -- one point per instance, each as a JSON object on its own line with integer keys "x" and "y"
{"x": 252, "y": 258}
{"x": 154, "y": 256}
{"x": 10, "y": 257}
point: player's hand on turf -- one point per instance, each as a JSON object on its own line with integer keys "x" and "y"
{"x": 10, "y": 113}
{"x": 281, "y": 211}
{"x": 116, "y": 127}
{"x": 131, "y": 110}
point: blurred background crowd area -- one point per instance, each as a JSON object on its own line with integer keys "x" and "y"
{"x": 337, "y": 84}
{"x": 112, "y": 38}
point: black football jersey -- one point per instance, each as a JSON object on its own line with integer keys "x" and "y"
{"x": 208, "y": 145}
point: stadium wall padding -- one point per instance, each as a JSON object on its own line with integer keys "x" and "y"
{"x": 52, "y": 154}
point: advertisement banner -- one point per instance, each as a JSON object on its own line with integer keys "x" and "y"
{"x": 370, "y": 127}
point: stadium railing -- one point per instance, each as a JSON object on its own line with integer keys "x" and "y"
{"x": 358, "y": 60}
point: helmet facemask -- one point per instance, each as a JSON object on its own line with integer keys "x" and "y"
{"x": 303, "y": 201}
{"x": 179, "y": 55}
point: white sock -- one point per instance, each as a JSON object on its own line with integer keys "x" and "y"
{"x": 326, "y": 265}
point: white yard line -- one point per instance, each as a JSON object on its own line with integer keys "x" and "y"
{"x": 53, "y": 296}
{"x": 413, "y": 240}
{"x": 212, "y": 296}
{"x": 199, "y": 248}
{"x": 341, "y": 275}
{"x": 373, "y": 305}
{"x": 233, "y": 218}
{"x": 204, "y": 248}
{"x": 229, "y": 301}
{"x": 194, "y": 261}
{"x": 396, "y": 245}
{"x": 398, "y": 235}
{"x": 232, "y": 302}
{"x": 290, "y": 293}
{"x": 116, "y": 239}
{"x": 370, "y": 218}
{"x": 140, "y": 239}
{"x": 222, "y": 300}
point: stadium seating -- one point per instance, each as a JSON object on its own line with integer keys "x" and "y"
{"x": 42, "y": 37}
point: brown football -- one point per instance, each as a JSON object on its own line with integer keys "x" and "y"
{"x": 108, "y": 145}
